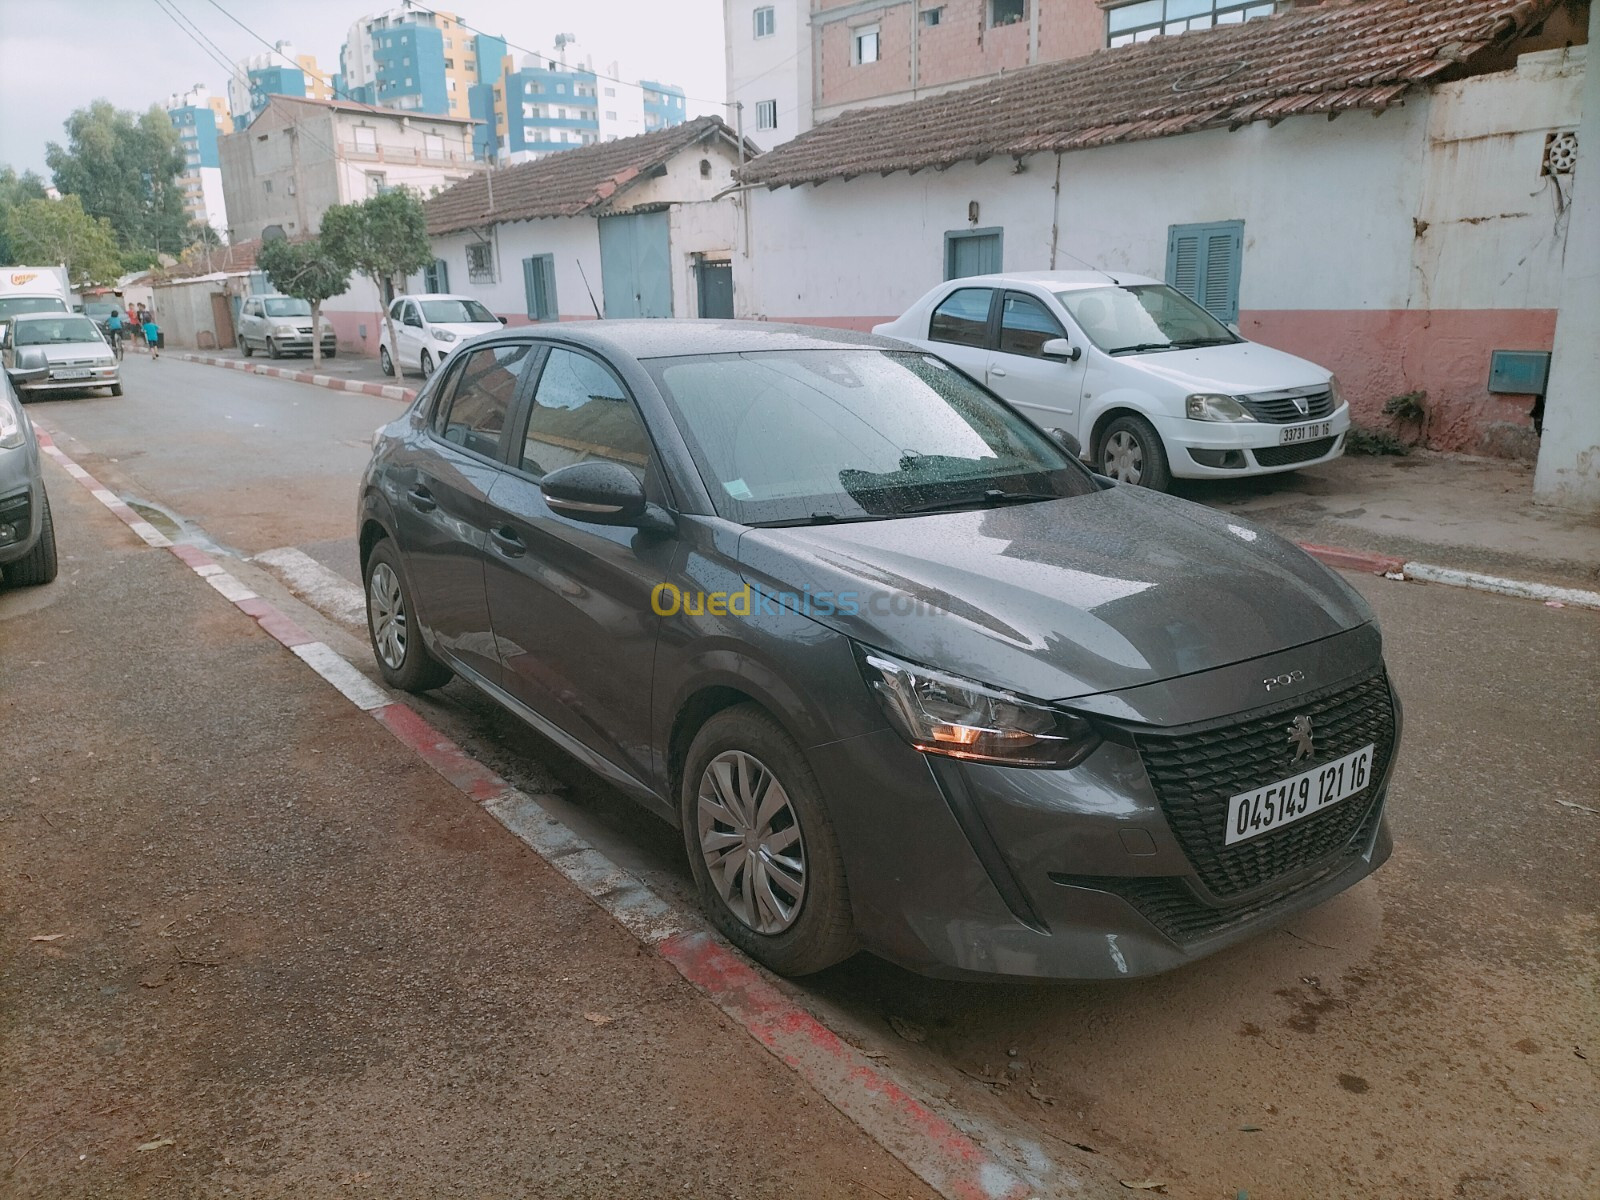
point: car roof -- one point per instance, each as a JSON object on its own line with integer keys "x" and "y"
{"x": 46, "y": 316}
{"x": 673, "y": 338}
{"x": 1061, "y": 280}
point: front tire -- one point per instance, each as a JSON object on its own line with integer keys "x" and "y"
{"x": 332, "y": 352}
{"x": 396, "y": 641}
{"x": 39, "y": 564}
{"x": 427, "y": 365}
{"x": 244, "y": 344}
{"x": 385, "y": 363}
{"x": 116, "y": 389}
{"x": 761, "y": 845}
{"x": 272, "y": 349}
{"x": 1130, "y": 451}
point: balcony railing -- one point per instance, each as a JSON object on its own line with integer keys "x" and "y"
{"x": 404, "y": 155}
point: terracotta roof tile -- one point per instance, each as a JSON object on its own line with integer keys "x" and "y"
{"x": 1327, "y": 59}
{"x": 567, "y": 183}
{"x": 241, "y": 256}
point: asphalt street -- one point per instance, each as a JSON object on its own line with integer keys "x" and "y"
{"x": 1433, "y": 1032}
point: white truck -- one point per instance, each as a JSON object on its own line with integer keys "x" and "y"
{"x": 33, "y": 289}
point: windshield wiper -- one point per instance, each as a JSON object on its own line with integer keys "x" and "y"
{"x": 1194, "y": 343}
{"x": 818, "y": 518}
{"x": 1142, "y": 346}
{"x": 992, "y": 498}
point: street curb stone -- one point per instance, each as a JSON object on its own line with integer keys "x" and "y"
{"x": 387, "y": 391}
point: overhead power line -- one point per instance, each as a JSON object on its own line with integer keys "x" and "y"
{"x": 195, "y": 37}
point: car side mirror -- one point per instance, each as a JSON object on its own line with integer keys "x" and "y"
{"x": 602, "y": 493}
{"x": 1060, "y": 350}
{"x": 502, "y": 320}
{"x": 1068, "y": 443}
{"x": 19, "y": 375}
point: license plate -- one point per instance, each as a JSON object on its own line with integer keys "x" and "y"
{"x": 1252, "y": 814}
{"x": 1305, "y": 433}
{"x": 71, "y": 373}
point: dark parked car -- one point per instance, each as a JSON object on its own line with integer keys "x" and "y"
{"x": 905, "y": 673}
{"x": 27, "y": 534}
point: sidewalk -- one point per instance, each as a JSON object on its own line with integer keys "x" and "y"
{"x": 1451, "y": 510}
{"x": 254, "y": 945}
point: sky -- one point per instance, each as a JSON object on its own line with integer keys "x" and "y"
{"x": 58, "y": 55}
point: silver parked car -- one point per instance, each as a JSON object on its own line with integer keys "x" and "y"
{"x": 281, "y": 325}
{"x": 60, "y": 352}
{"x": 27, "y": 535}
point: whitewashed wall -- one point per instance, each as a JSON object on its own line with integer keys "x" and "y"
{"x": 572, "y": 240}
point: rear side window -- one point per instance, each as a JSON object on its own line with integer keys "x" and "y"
{"x": 962, "y": 318}
{"x": 1025, "y": 325}
{"x": 582, "y": 413}
{"x": 473, "y": 415}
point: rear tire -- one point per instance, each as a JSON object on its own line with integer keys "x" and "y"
{"x": 391, "y": 625}
{"x": 1130, "y": 451}
{"x": 776, "y": 854}
{"x": 39, "y": 564}
{"x": 385, "y": 363}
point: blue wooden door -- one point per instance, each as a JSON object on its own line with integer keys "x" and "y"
{"x": 636, "y": 265}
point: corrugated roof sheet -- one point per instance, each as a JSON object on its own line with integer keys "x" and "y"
{"x": 1362, "y": 54}
{"x": 567, "y": 183}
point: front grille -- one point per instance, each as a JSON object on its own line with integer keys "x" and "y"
{"x": 1280, "y": 407}
{"x": 1195, "y": 774}
{"x": 1283, "y": 456}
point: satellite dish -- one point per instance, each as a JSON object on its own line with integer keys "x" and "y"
{"x": 273, "y": 233}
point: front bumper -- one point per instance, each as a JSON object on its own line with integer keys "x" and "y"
{"x": 97, "y": 377}
{"x": 965, "y": 870}
{"x": 301, "y": 343}
{"x": 1246, "y": 447}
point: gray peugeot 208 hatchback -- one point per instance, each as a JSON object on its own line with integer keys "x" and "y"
{"x": 907, "y": 676}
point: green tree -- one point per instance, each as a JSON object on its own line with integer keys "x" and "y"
{"x": 385, "y": 239}
{"x": 46, "y": 232}
{"x": 14, "y": 189}
{"x": 124, "y": 167}
{"x": 308, "y": 271}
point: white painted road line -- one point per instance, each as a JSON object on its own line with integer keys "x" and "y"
{"x": 1504, "y": 587}
{"x": 326, "y": 591}
{"x": 332, "y": 666}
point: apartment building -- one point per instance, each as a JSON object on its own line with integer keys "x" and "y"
{"x": 545, "y": 106}
{"x": 793, "y": 63}
{"x": 417, "y": 60}
{"x": 200, "y": 118}
{"x": 301, "y": 156}
{"x": 283, "y": 71}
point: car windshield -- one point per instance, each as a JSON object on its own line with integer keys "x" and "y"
{"x": 813, "y": 436}
{"x": 55, "y": 332}
{"x": 1143, "y": 318}
{"x": 457, "y": 312}
{"x": 11, "y": 306}
{"x": 284, "y": 306}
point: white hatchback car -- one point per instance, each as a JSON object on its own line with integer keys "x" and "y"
{"x": 1150, "y": 384}
{"x": 428, "y": 327}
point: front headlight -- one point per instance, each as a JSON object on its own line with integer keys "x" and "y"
{"x": 1334, "y": 392}
{"x": 442, "y": 335}
{"x": 11, "y": 433}
{"x": 284, "y": 330}
{"x": 949, "y": 715}
{"x": 1205, "y": 406}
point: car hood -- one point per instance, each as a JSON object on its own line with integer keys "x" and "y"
{"x": 467, "y": 329}
{"x": 1236, "y": 370}
{"x": 1060, "y": 599}
{"x": 65, "y": 352}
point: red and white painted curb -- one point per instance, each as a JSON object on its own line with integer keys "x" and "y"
{"x": 1333, "y": 556}
{"x": 389, "y": 391}
{"x": 945, "y": 1155}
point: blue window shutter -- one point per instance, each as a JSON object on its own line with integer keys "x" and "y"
{"x": 1204, "y": 263}
{"x": 547, "y": 273}
{"x": 539, "y": 283}
{"x": 528, "y": 287}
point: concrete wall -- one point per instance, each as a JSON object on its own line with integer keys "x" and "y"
{"x": 776, "y": 68}
{"x": 1397, "y": 250}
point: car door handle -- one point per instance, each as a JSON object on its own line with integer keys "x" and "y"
{"x": 422, "y": 500}
{"x": 998, "y": 371}
{"x": 508, "y": 543}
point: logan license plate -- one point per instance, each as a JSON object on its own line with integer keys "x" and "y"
{"x": 1252, "y": 814}
{"x": 1305, "y": 433}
